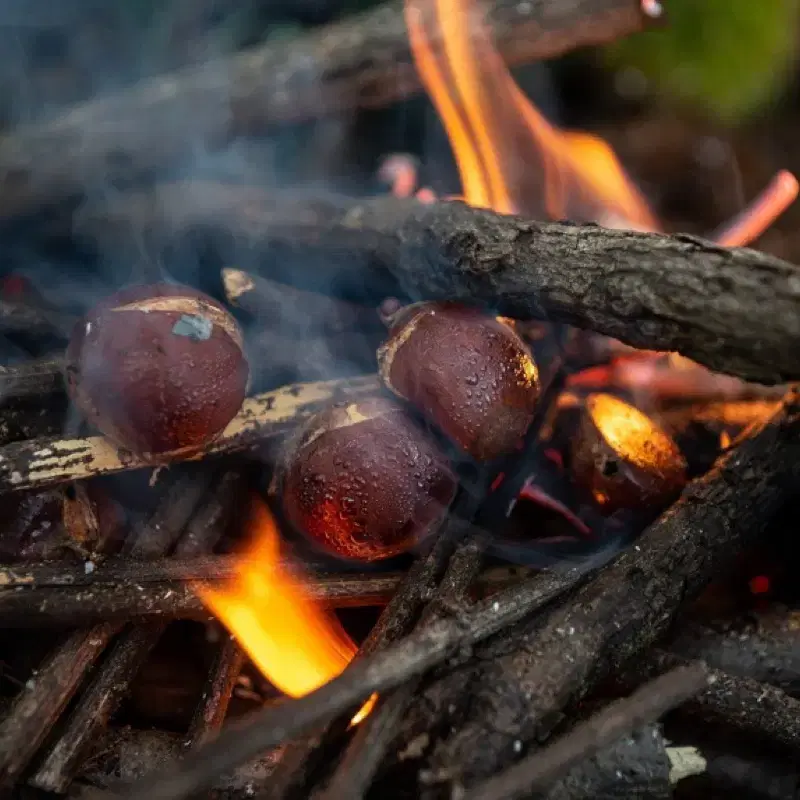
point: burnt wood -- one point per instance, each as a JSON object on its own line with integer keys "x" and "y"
{"x": 734, "y": 310}
{"x": 363, "y": 61}
{"x": 548, "y": 665}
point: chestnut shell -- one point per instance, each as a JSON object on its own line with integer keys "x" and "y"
{"x": 158, "y": 369}
{"x": 623, "y": 459}
{"x": 364, "y": 481}
{"x": 466, "y": 371}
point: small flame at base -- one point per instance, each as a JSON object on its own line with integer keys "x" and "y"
{"x": 295, "y": 643}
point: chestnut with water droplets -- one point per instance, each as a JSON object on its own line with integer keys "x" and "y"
{"x": 158, "y": 369}
{"x": 623, "y": 459}
{"x": 364, "y": 481}
{"x": 467, "y": 372}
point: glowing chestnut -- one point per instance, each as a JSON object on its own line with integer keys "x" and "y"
{"x": 158, "y": 369}
{"x": 466, "y": 371}
{"x": 364, "y": 481}
{"x": 622, "y": 459}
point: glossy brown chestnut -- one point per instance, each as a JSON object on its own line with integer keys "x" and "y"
{"x": 622, "y": 459}
{"x": 364, "y": 481}
{"x": 158, "y": 369}
{"x": 467, "y": 372}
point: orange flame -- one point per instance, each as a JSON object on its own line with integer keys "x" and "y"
{"x": 295, "y": 643}
{"x": 510, "y": 158}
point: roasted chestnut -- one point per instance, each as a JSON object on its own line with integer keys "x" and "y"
{"x": 467, "y": 372}
{"x": 364, "y": 481}
{"x": 158, "y": 369}
{"x": 622, "y": 459}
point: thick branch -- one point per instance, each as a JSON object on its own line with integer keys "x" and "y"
{"x": 363, "y": 61}
{"x": 733, "y": 310}
{"x": 629, "y": 604}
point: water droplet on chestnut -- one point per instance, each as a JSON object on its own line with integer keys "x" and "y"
{"x": 158, "y": 369}
{"x": 466, "y": 371}
{"x": 392, "y": 513}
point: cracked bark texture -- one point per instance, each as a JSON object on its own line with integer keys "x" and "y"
{"x": 734, "y": 310}
{"x": 547, "y": 664}
{"x": 362, "y": 61}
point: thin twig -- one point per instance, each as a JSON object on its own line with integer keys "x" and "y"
{"x": 382, "y": 670}
{"x": 645, "y": 705}
{"x": 41, "y": 702}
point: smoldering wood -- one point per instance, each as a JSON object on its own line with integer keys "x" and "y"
{"x": 298, "y": 758}
{"x": 424, "y": 648}
{"x": 32, "y": 380}
{"x": 646, "y": 705}
{"x": 22, "y": 422}
{"x": 213, "y": 706}
{"x": 733, "y": 310}
{"x": 627, "y": 606}
{"x": 39, "y": 463}
{"x": 362, "y": 757}
{"x": 64, "y": 606}
{"x": 127, "y": 754}
{"x": 43, "y": 699}
{"x": 154, "y": 539}
{"x": 95, "y": 708}
{"x": 34, "y": 323}
{"x": 766, "y": 649}
{"x": 363, "y": 61}
{"x": 293, "y": 310}
{"x": 745, "y": 706}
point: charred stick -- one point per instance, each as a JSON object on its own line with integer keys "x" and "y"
{"x": 32, "y": 380}
{"x": 41, "y": 702}
{"x": 760, "y": 712}
{"x": 34, "y": 322}
{"x": 767, "y": 651}
{"x": 123, "y": 663}
{"x": 733, "y": 310}
{"x": 290, "y": 309}
{"x": 363, "y": 755}
{"x": 644, "y": 706}
{"x": 630, "y": 603}
{"x": 210, "y": 712}
{"x": 65, "y": 606}
{"x": 642, "y": 759}
{"x": 363, "y": 61}
{"x": 96, "y": 707}
{"x": 39, "y": 463}
{"x": 385, "y": 669}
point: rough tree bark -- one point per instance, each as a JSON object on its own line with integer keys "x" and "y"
{"x": 363, "y": 61}
{"x": 734, "y": 310}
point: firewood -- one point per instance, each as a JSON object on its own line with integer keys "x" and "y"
{"x": 733, "y": 310}
{"x": 647, "y": 704}
{"x": 362, "y": 61}
{"x": 38, "y": 463}
{"x": 629, "y": 604}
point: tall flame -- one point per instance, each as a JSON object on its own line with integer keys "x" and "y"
{"x": 510, "y": 158}
{"x": 295, "y": 643}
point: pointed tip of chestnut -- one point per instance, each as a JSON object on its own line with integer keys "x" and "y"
{"x": 158, "y": 369}
{"x": 364, "y": 481}
{"x": 622, "y": 459}
{"x": 466, "y": 371}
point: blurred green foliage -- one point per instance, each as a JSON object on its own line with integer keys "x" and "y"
{"x": 727, "y": 59}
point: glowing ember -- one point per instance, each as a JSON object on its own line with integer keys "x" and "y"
{"x": 632, "y": 434}
{"x": 295, "y": 643}
{"x": 762, "y": 212}
{"x": 622, "y": 459}
{"x": 505, "y": 149}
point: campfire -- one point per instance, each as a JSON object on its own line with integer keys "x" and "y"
{"x": 479, "y": 492}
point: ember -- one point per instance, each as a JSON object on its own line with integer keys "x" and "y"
{"x": 447, "y": 486}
